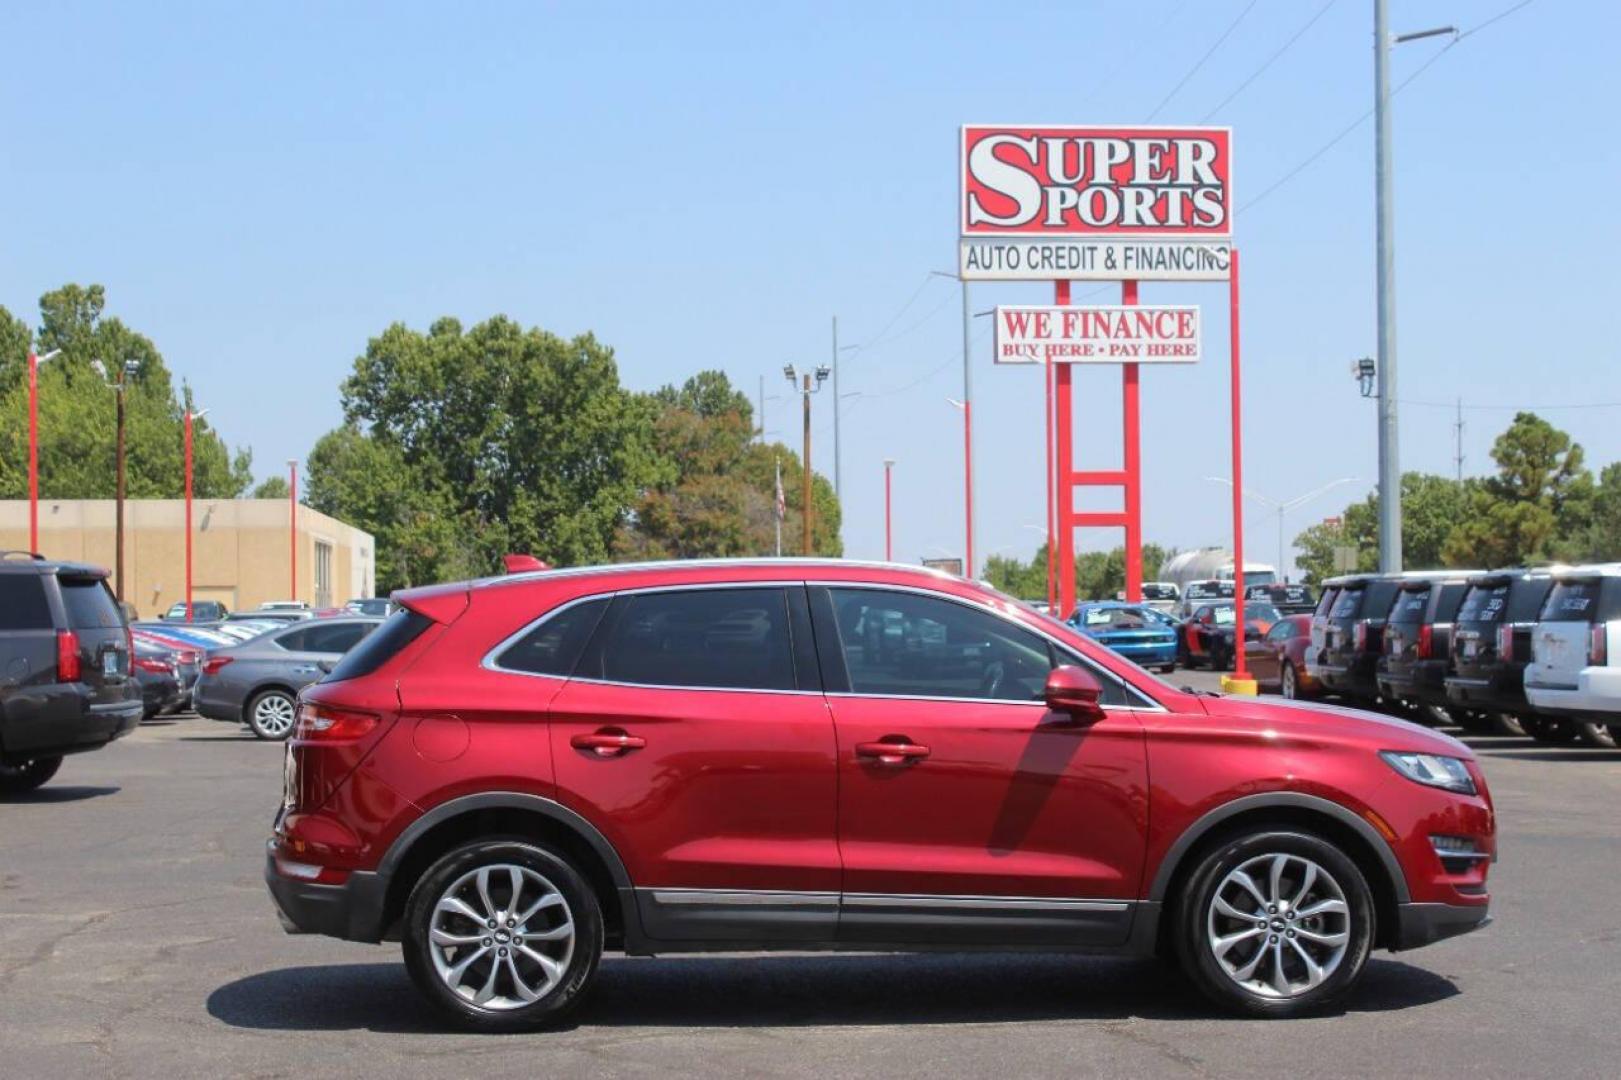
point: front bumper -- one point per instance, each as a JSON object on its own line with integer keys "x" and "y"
{"x": 353, "y": 911}
{"x": 1418, "y": 925}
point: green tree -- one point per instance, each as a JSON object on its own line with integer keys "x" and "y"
{"x": 462, "y": 445}
{"x": 273, "y": 488}
{"x": 1539, "y": 506}
{"x": 77, "y": 408}
{"x": 1099, "y": 575}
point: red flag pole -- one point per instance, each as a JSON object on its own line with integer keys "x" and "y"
{"x": 1239, "y": 671}
{"x": 1131, "y": 427}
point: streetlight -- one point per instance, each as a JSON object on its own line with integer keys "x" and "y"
{"x": 1285, "y": 505}
{"x": 889, "y": 545}
{"x": 292, "y": 524}
{"x": 33, "y": 444}
{"x": 1390, "y": 554}
{"x": 792, "y": 376}
{"x": 190, "y": 417}
{"x": 967, "y": 415}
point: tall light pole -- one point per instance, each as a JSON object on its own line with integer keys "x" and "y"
{"x": 33, "y": 444}
{"x": 190, "y": 417}
{"x": 889, "y": 534}
{"x": 1283, "y": 506}
{"x": 292, "y": 525}
{"x": 967, "y": 418}
{"x": 805, "y": 496}
{"x": 1390, "y": 554}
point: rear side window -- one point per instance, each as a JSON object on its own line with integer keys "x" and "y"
{"x": 380, "y": 646}
{"x": 1446, "y": 605}
{"x": 339, "y": 638}
{"x": 1526, "y": 597}
{"x": 90, "y": 604}
{"x": 554, "y": 647}
{"x": 1325, "y": 603}
{"x": 1347, "y": 604}
{"x": 728, "y": 639}
{"x": 1410, "y": 605}
{"x": 1377, "y": 598}
{"x": 22, "y": 603}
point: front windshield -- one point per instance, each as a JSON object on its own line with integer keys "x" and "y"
{"x": 1260, "y": 612}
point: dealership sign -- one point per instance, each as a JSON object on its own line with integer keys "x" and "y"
{"x": 1039, "y": 203}
{"x": 1097, "y": 335}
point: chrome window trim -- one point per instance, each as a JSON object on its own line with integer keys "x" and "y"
{"x": 1068, "y": 649}
{"x": 741, "y": 897}
{"x": 684, "y": 897}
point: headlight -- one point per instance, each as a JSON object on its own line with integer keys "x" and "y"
{"x": 1432, "y": 769}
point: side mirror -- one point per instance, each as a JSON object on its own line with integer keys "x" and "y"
{"x": 1075, "y": 691}
{"x": 326, "y": 665}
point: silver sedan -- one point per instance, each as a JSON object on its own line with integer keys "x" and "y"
{"x": 257, "y": 682}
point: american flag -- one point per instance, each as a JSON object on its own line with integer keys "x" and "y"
{"x": 782, "y": 500}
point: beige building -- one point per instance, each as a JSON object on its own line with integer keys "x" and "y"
{"x": 241, "y": 549}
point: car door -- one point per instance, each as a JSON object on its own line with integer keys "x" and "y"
{"x": 695, "y": 737}
{"x": 1266, "y": 656}
{"x": 969, "y": 813}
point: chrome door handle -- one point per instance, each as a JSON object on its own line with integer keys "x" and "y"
{"x": 607, "y": 743}
{"x": 894, "y": 750}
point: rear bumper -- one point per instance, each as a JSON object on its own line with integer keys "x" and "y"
{"x": 1423, "y": 681}
{"x": 1501, "y": 692}
{"x": 213, "y": 707}
{"x": 352, "y": 911}
{"x": 60, "y": 719}
{"x": 1597, "y": 693}
{"x": 1358, "y": 677}
{"x": 1146, "y": 655}
{"x": 1418, "y": 925}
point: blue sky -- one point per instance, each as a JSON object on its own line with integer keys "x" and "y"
{"x": 706, "y": 186}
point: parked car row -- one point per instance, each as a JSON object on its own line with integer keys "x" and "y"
{"x": 1522, "y": 650}
{"x": 1205, "y": 634}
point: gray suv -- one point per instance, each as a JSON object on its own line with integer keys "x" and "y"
{"x": 257, "y": 682}
{"x": 66, "y": 684}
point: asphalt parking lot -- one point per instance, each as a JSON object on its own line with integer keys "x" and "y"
{"x": 136, "y": 939}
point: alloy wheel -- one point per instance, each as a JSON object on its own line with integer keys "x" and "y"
{"x": 501, "y": 937}
{"x": 1290, "y": 690}
{"x": 273, "y": 715}
{"x": 1278, "y": 925}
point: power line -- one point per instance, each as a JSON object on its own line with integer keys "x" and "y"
{"x": 1256, "y": 74}
{"x": 924, "y": 284}
{"x": 1359, "y": 121}
{"x": 1511, "y": 408}
{"x": 1194, "y": 70}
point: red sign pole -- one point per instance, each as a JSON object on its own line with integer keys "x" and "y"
{"x": 1065, "y": 475}
{"x": 1055, "y": 535}
{"x": 188, "y": 511}
{"x": 33, "y": 451}
{"x": 1131, "y": 428}
{"x": 1238, "y": 476}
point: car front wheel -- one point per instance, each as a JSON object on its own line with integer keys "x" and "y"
{"x": 1275, "y": 924}
{"x": 271, "y": 714}
{"x": 25, "y": 776}
{"x": 504, "y": 935}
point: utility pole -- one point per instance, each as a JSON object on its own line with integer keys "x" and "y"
{"x": 1457, "y": 436}
{"x": 889, "y": 532}
{"x": 1390, "y": 556}
{"x": 124, "y": 372}
{"x": 806, "y": 392}
{"x": 760, "y": 416}
{"x": 838, "y": 447}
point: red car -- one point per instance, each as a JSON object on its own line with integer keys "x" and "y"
{"x": 1278, "y": 661}
{"x": 514, "y": 774}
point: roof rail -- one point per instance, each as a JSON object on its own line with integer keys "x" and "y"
{"x": 36, "y": 556}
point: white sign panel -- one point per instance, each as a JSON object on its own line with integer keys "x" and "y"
{"x": 1114, "y": 334}
{"x": 1008, "y": 259}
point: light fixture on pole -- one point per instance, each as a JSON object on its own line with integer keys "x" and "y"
{"x": 117, "y": 381}
{"x": 292, "y": 525}
{"x": 1283, "y": 506}
{"x": 1390, "y": 553}
{"x": 191, "y": 417}
{"x": 1364, "y": 372}
{"x": 33, "y": 444}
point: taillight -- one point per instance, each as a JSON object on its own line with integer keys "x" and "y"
{"x": 1505, "y": 642}
{"x": 67, "y": 656}
{"x": 321, "y": 723}
{"x": 212, "y": 665}
{"x": 1426, "y": 641}
{"x": 1597, "y": 647}
{"x": 1360, "y": 637}
{"x": 151, "y": 666}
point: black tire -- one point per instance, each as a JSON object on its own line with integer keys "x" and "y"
{"x": 1289, "y": 681}
{"x": 580, "y": 909}
{"x": 1594, "y": 733}
{"x": 1195, "y": 922}
{"x": 25, "y": 776}
{"x": 270, "y": 714}
{"x": 1167, "y": 669}
{"x": 1553, "y": 730}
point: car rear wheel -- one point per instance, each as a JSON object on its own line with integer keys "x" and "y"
{"x": 1290, "y": 682}
{"x": 504, "y": 935}
{"x": 22, "y": 776}
{"x": 1594, "y": 733}
{"x": 271, "y": 714}
{"x": 1275, "y": 923}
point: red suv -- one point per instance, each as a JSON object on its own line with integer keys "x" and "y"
{"x": 512, "y": 775}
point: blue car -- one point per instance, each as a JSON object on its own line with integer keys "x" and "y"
{"x": 1140, "y": 634}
